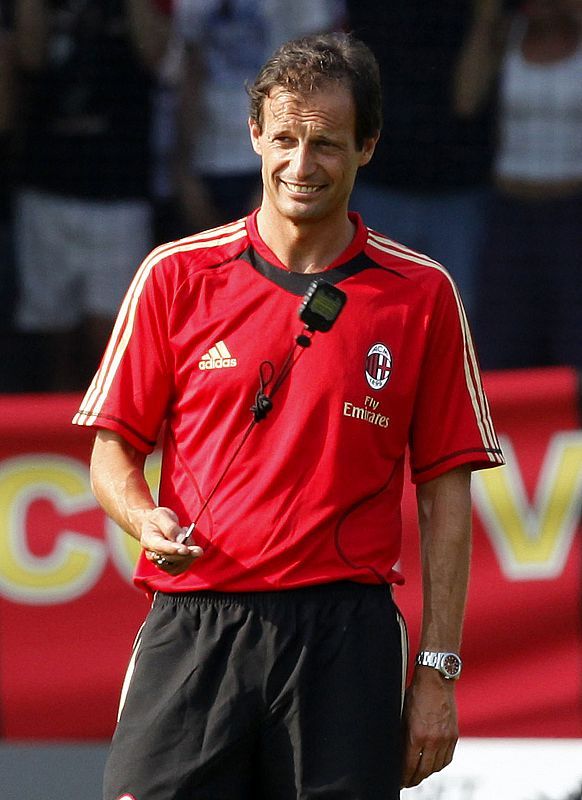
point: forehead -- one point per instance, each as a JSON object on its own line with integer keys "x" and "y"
{"x": 331, "y": 107}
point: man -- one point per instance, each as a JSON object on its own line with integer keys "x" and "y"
{"x": 83, "y": 215}
{"x": 271, "y": 664}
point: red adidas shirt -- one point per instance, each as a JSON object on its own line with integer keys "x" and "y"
{"x": 314, "y": 494}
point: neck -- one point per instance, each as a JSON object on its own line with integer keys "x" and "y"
{"x": 305, "y": 246}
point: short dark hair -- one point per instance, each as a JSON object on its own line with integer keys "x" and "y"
{"x": 306, "y": 65}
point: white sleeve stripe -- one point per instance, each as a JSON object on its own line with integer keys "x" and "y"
{"x": 399, "y": 249}
{"x": 471, "y": 369}
{"x": 97, "y": 393}
{"x": 482, "y": 397}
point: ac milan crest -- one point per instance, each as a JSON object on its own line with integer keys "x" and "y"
{"x": 378, "y": 366}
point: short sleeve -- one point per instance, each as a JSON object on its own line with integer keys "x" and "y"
{"x": 451, "y": 422}
{"x": 131, "y": 390}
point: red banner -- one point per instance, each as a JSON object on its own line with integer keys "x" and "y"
{"x": 69, "y": 613}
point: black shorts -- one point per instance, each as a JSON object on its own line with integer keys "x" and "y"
{"x": 263, "y": 696}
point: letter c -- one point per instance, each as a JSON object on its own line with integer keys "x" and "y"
{"x": 76, "y": 561}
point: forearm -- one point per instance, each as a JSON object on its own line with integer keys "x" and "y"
{"x": 479, "y": 58}
{"x": 430, "y": 716}
{"x": 149, "y": 30}
{"x": 119, "y": 484}
{"x": 444, "y": 510}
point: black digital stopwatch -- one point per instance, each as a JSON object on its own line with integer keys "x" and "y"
{"x": 321, "y": 305}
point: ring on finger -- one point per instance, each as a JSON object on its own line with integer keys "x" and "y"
{"x": 160, "y": 560}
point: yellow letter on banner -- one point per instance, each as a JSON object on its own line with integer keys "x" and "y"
{"x": 532, "y": 542}
{"x": 76, "y": 561}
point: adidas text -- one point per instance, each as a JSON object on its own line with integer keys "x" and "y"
{"x": 217, "y": 363}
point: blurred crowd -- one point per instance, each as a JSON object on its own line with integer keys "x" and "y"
{"x": 123, "y": 125}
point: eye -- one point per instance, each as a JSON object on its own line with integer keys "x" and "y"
{"x": 326, "y": 144}
{"x": 283, "y": 140}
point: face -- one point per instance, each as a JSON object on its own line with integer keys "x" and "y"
{"x": 308, "y": 151}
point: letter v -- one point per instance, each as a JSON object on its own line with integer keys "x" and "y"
{"x": 532, "y": 541}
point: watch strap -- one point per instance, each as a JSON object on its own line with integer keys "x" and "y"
{"x": 447, "y": 663}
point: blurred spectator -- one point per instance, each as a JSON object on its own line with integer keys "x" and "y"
{"x": 83, "y": 218}
{"x": 168, "y": 217}
{"x": 530, "y": 292}
{"x": 8, "y": 103}
{"x": 227, "y": 41}
{"x": 427, "y": 185}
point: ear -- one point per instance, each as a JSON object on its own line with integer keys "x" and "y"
{"x": 368, "y": 149}
{"x": 255, "y": 133}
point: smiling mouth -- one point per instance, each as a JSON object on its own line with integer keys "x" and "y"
{"x": 299, "y": 188}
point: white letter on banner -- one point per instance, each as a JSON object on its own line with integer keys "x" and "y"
{"x": 77, "y": 561}
{"x": 532, "y": 541}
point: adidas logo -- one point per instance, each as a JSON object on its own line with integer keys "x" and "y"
{"x": 218, "y": 357}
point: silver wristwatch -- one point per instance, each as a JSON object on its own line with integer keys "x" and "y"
{"x": 448, "y": 664}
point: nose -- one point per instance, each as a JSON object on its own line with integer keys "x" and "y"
{"x": 303, "y": 162}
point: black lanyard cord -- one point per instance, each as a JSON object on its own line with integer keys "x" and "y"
{"x": 262, "y": 405}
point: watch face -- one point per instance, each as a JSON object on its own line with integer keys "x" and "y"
{"x": 451, "y": 665}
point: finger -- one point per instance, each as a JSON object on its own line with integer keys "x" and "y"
{"x": 186, "y": 534}
{"x": 430, "y": 761}
{"x": 169, "y": 561}
{"x": 155, "y": 542}
{"x": 443, "y": 756}
{"x": 156, "y": 545}
{"x": 412, "y": 775}
{"x": 450, "y": 753}
{"x": 160, "y": 559}
{"x": 177, "y": 567}
{"x": 412, "y": 757}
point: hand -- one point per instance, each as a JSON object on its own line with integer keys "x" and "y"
{"x": 430, "y": 726}
{"x": 159, "y": 532}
